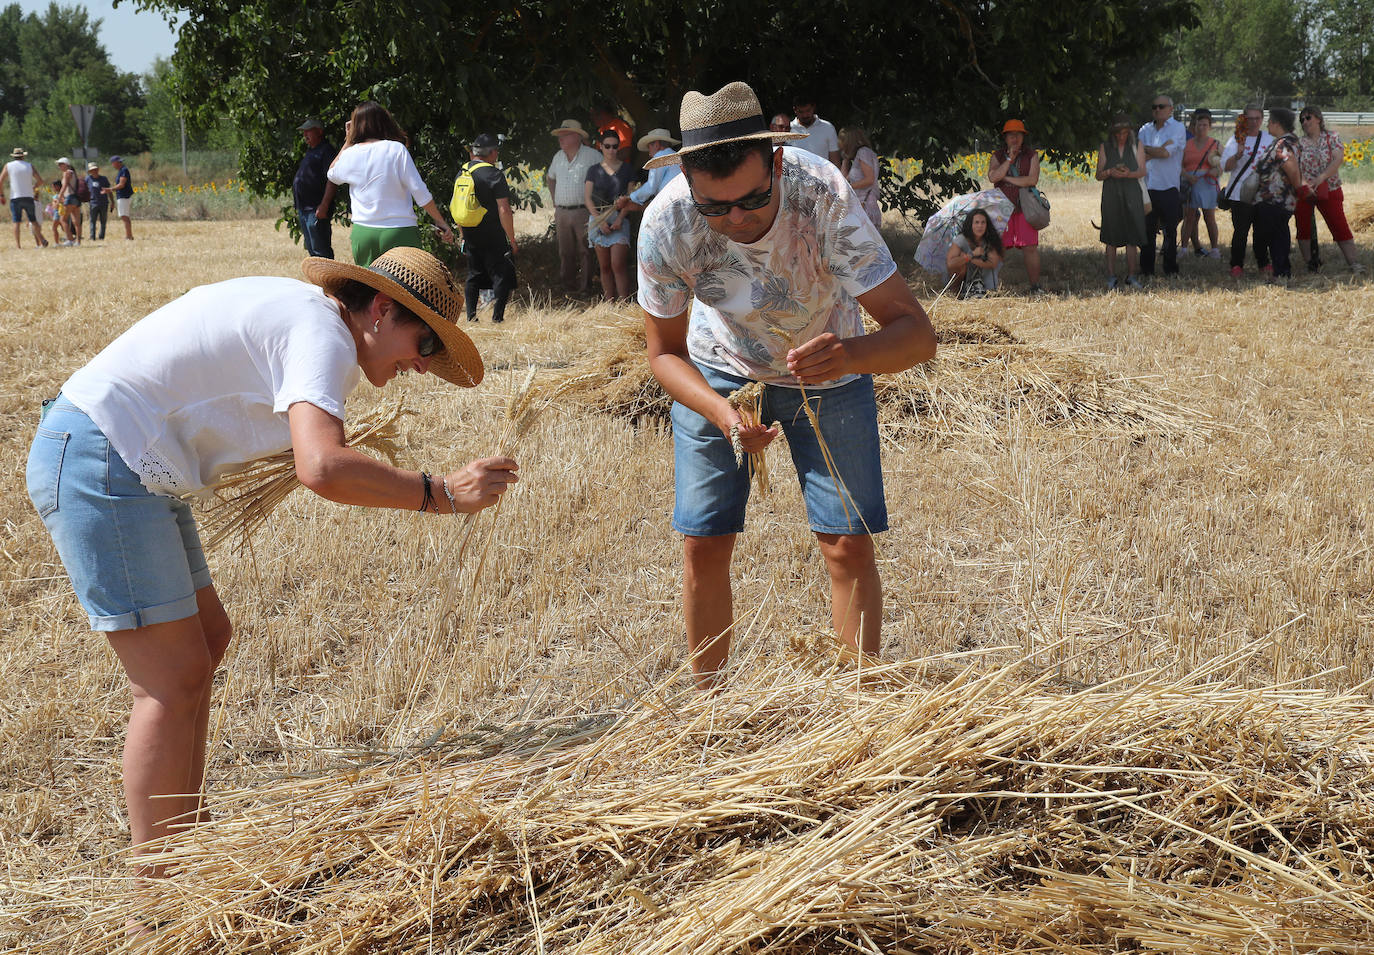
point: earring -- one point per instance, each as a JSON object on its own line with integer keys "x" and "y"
{"x": 376, "y": 326}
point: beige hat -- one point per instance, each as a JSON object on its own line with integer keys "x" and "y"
{"x": 573, "y": 126}
{"x": 422, "y": 284}
{"x": 661, "y": 135}
{"x": 92, "y": 165}
{"x": 729, "y": 115}
{"x": 19, "y": 152}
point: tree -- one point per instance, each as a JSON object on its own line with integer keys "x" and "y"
{"x": 928, "y": 78}
{"x": 1347, "y": 43}
{"x": 1240, "y": 50}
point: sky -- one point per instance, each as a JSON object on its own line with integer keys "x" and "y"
{"x": 133, "y": 38}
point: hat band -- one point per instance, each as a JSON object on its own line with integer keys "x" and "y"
{"x": 410, "y": 289}
{"x": 735, "y": 129}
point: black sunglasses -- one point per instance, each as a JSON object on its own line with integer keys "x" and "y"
{"x": 430, "y": 343}
{"x": 748, "y": 204}
{"x": 1160, "y": 106}
{"x": 610, "y": 145}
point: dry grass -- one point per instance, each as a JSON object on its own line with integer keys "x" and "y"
{"x": 1128, "y": 615}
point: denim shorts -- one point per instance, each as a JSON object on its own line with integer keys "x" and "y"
{"x": 712, "y": 491}
{"x": 134, "y": 557}
{"x": 21, "y": 206}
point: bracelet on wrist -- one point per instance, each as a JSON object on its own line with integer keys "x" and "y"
{"x": 452, "y": 504}
{"x": 428, "y": 500}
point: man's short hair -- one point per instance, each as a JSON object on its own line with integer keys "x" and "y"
{"x": 722, "y": 159}
{"x": 1255, "y": 107}
{"x": 803, "y": 99}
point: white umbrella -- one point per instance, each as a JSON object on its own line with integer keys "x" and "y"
{"x": 942, "y": 227}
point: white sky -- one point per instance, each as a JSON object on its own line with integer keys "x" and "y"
{"x": 133, "y": 38}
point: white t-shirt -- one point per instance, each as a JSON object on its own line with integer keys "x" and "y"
{"x": 382, "y": 180}
{"x": 1232, "y": 148}
{"x": 803, "y": 275}
{"x": 1163, "y": 173}
{"x": 821, "y": 137}
{"x": 21, "y": 179}
{"x": 202, "y": 385}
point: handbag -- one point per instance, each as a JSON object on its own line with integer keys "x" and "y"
{"x": 1248, "y": 189}
{"x": 1145, "y": 195}
{"x": 1035, "y": 207}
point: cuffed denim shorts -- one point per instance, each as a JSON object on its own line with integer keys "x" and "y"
{"x": 712, "y": 491}
{"x": 134, "y": 557}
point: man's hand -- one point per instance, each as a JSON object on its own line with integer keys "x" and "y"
{"x": 322, "y": 213}
{"x": 621, "y": 203}
{"x": 480, "y": 484}
{"x": 823, "y": 358}
{"x": 752, "y": 437}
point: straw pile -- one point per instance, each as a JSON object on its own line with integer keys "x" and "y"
{"x": 1360, "y": 215}
{"x": 981, "y": 377}
{"x": 811, "y": 807}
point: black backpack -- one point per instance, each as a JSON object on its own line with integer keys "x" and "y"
{"x": 83, "y": 189}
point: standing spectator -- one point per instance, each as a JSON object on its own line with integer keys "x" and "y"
{"x": 566, "y": 177}
{"x": 604, "y": 118}
{"x": 55, "y": 212}
{"x": 1238, "y": 158}
{"x": 383, "y": 182}
{"x": 1320, "y": 154}
{"x": 975, "y": 256}
{"x": 490, "y": 244}
{"x": 756, "y": 265}
{"x": 1198, "y": 183}
{"x": 608, "y": 227}
{"x": 124, "y": 195}
{"x": 1013, "y": 167}
{"x": 1120, "y": 166}
{"x": 71, "y": 203}
{"x": 1280, "y": 183}
{"x": 99, "y": 188}
{"x": 1163, "y": 140}
{"x": 859, "y": 163}
{"x": 820, "y": 136}
{"x": 313, "y": 193}
{"x": 657, "y": 143}
{"x": 780, "y": 123}
{"x": 23, "y": 180}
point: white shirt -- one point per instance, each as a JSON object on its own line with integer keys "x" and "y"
{"x": 203, "y": 384}
{"x": 569, "y": 176}
{"x": 1163, "y": 173}
{"x": 821, "y": 137}
{"x": 1232, "y": 148}
{"x": 804, "y": 275}
{"x": 382, "y": 183}
{"x": 21, "y": 179}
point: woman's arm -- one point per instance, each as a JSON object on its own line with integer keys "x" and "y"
{"x": 1103, "y": 172}
{"x": 1139, "y": 163}
{"x": 587, "y": 198}
{"x": 339, "y": 473}
{"x": 866, "y": 177}
{"x": 956, "y": 260}
{"x": 1031, "y": 178}
{"x": 1337, "y": 157}
{"x": 997, "y": 173}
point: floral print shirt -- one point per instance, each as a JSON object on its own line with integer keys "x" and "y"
{"x": 1274, "y": 187}
{"x": 802, "y": 277}
{"x": 1314, "y": 157}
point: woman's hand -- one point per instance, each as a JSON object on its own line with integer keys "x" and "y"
{"x": 753, "y": 438}
{"x": 479, "y": 485}
{"x": 605, "y": 227}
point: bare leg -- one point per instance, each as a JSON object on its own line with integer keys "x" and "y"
{"x": 128, "y": 227}
{"x": 1210, "y": 216}
{"x": 214, "y": 623}
{"x": 707, "y": 604}
{"x": 17, "y": 243}
{"x": 1190, "y": 233}
{"x": 1305, "y": 249}
{"x": 1348, "y": 250}
{"x": 620, "y": 264}
{"x": 1032, "y": 254}
{"x": 1111, "y": 260}
{"x": 603, "y": 259}
{"x": 1132, "y": 260}
{"x": 856, "y": 590}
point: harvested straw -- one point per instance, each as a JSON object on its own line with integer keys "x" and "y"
{"x": 245, "y": 499}
{"x": 748, "y": 401}
{"x": 810, "y": 807}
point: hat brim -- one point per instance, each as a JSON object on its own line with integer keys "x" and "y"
{"x": 459, "y": 363}
{"x": 586, "y": 136}
{"x": 777, "y": 139}
{"x": 644, "y": 142}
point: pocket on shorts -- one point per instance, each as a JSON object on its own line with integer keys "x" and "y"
{"x": 44, "y": 473}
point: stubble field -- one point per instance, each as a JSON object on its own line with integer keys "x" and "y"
{"x": 1113, "y": 515}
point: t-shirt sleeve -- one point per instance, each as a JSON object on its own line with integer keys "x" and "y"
{"x": 342, "y": 170}
{"x": 500, "y": 189}
{"x": 320, "y": 372}
{"x": 854, "y": 249}
{"x": 663, "y": 291}
{"x": 410, "y": 177}
{"x": 832, "y": 141}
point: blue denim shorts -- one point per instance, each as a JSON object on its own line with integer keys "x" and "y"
{"x": 134, "y": 557}
{"x": 21, "y": 206}
{"x": 712, "y": 491}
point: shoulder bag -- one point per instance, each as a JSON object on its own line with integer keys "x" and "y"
{"x": 1248, "y": 189}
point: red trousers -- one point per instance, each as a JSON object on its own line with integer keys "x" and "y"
{"x": 1332, "y": 209}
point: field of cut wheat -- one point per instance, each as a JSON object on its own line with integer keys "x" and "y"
{"x": 1123, "y": 701}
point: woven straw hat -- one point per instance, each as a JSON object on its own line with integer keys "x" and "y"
{"x": 660, "y": 135}
{"x": 729, "y": 115}
{"x": 19, "y": 152}
{"x": 572, "y": 126}
{"x": 422, "y": 284}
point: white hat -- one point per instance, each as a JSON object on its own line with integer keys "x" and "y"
{"x": 64, "y": 161}
{"x": 657, "y": 135}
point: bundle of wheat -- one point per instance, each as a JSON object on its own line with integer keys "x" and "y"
{"x": 809, "y": 807}
{"x": 244, "y": 499}
{"x": 747, "y": 401}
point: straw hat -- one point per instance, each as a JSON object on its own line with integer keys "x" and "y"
{"x": 1013, "y": 126}
{"x": 729, "y": 115}
{"x": 573, "y": 126}
{"x": 657, "y": 135}
{"x": 18, "y": 152}
{"x": 421, "y": 283}
{"x": 90, "y": 166}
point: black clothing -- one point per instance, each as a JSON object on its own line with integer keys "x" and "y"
{"x": 607, "y": 188}
{"x": 1242, "y": 216}
{"x": 1166, "y": 213}
{"x": 490, "y": 264}
{"x": 488, "y": 185}
{"x": 307, "y": 189}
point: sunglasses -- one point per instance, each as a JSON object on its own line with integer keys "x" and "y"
{"x": 610, "y": 145}
{"x": 430, "y": 343}
{"x": 1160, "y": 106}
{"x": 748, "y": 204}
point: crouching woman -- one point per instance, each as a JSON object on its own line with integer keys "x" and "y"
{"x": 224, "y": 375}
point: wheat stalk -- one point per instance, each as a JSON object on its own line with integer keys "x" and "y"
{"x": 748, "y": 401}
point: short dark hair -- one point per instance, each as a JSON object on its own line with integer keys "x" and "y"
{"x": 357, "y": 297}
{"x": 721, "y": 159}
{"x": 373, "y": 121}
{"x": 803, "y": 99}
{"x": 1284, "y": 117}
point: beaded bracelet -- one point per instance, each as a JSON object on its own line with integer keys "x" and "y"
{"x": 452, "y": 504}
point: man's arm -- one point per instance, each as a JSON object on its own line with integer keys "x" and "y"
{"x": 326, "y": 201}
{"x": 667, "y": 348}
{"x": 507, "y": 222}
{"x": 906, "y": 338}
